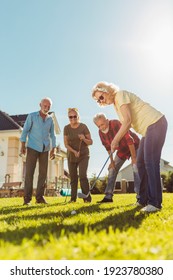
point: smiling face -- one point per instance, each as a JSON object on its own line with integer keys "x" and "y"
{"x": 73, "y": 117}
{"x": 45, "y": 106}
{"x": 103, "y": 98}
{"x": 103, "y": 124}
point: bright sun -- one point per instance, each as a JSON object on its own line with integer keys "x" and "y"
{"x": 154, "y": 42}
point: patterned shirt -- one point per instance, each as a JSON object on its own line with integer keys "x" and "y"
{"x": 129, "y": 138}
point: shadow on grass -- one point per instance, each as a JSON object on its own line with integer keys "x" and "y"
{"x": 60, "y": 221}
{"x": 18, "y": 208}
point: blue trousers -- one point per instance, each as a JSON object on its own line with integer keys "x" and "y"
{"x": 148, "y": 163}
{"x": 112, "y": 175}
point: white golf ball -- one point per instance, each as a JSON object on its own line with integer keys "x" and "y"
{"x": 73, "y": 212}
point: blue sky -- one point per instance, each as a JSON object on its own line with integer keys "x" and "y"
{"x": 61, "y": 48}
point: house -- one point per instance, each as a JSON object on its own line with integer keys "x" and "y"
{"x": 127, "y": 172}
{"x": 12, "y": 164}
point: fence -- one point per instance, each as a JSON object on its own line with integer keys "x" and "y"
{"x": 52, "y": 188}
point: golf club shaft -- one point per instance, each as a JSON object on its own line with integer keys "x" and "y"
{"x": 101, "y": 171}
{"x": 81, "y": 195}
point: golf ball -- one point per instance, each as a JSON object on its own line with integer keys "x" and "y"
{"x": 73, "y": 212}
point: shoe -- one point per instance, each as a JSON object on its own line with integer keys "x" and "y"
{"x": 72, "y": 201}
{"x": 150, "y": 208}
{"x": 88, "y": 199}
{"x": 138, "y": 204}
{"x": 105, "y": 200}
{"x": 41, "y": 201}
{"x": 27, "y": 203}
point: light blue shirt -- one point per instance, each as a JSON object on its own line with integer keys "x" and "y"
{"x": 39, "y": 132}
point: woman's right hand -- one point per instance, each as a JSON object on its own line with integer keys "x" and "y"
{"x": 76, "y": 154}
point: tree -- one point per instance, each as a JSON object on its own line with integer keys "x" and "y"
{"x": 167, "y": 178}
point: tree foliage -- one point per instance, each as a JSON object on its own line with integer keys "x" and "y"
{"x": 167, "y": 178}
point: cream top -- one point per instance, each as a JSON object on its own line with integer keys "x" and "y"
{"x": 142, "y": 113}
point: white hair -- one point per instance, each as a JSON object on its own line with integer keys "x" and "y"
{"x": 98, "y": 117}
{"x": 47, "y": 98}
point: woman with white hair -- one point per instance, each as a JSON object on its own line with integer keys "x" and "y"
{"x": 151, "y": 124}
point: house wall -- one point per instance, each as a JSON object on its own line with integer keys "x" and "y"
{"x": 3, "y": 158}
{"x": 127, "y": 172}
{"x": 55, "y": 169}
{"x": 13, "y": 168}
{"x": 14, "y": 165}
{"x": 165, "y": 167}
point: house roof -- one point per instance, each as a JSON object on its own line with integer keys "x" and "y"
{"x": 17, "y": 121}
{"x": 166, "y": 164}
{"x": 7, "y": 122}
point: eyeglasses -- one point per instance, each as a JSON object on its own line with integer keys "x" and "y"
{"x": 101, "y": 98}
{"x": 73, "y": 117}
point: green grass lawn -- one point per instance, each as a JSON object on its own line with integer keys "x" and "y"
{"x": 112, "y": 231}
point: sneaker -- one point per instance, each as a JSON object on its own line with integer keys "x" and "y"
{"x": 138, "y": 204}
{"x": 88, "y": 199}
{"x": 105, "y": 200}
{"x": 71, "y": 201}
{"x": 41, "y": 201}
{"x": 150, "y": 208}
{"x": 26, "y": 203}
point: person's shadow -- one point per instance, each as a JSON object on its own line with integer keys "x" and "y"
{"x": 121, "y": 220}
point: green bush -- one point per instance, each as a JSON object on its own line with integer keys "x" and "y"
{"x": 167, "y": 178}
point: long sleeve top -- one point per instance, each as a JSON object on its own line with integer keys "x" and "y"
{"x": 129, "y": 138}
{"x": 39, "y": 133}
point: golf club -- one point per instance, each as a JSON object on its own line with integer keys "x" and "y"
{"x": 82, "y": 195}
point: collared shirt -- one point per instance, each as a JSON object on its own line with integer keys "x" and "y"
{"x": 129, "y": 138}
{"x": 39, "y": 132}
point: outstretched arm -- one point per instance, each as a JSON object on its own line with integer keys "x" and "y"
{"x": 126, "y": 124}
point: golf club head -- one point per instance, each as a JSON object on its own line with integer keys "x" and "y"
{"x": 82, "y": 195}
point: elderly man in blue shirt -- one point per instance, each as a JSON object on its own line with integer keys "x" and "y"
{"x": 37, "y": 132}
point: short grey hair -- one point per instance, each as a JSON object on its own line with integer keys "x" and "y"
{"x": 98, "y": 117}
{"x": 47, "y": 98}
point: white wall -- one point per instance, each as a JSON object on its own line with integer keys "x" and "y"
{"x": 3, "y": 158}
{"x": 127, "y": 172}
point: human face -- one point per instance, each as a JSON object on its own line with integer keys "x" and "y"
{"x": 100, "y": 97}
{"x": 45, "y": 106}
{"x": 103, "y": 125}
{"x": 103, "y": 98}
{"x": 73, "y": 117}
